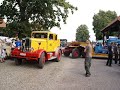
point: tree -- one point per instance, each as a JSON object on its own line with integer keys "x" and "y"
{"x": 101, "y": 20}
{"x": 82, "y": 33}
{"x": 27, "y": 14}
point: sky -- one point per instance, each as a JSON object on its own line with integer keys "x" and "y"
{"x": 84, "y": 15}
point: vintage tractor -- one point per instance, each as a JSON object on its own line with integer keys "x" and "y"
{"x": 42, "y": 46}
{"x": 76, "y": 49}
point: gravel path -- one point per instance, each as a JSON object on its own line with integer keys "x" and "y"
{"x": 68, "y": 74}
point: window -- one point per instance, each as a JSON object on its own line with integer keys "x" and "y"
{"x": 55, "y": 37}
{"x": 51, "y": 37}
{"x": 39, "y": 35}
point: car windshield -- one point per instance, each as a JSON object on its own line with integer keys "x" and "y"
{"x": 39, "y": 35}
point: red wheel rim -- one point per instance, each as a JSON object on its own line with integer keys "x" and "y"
{"x": 76, "y": 54}
{"x": 43, "y": 60}
{"x": 59, "y": 56}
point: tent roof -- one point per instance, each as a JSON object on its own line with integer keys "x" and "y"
{"x": 113, "y": 26}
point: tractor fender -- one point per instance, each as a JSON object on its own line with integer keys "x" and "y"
{"x": 56, "y": 51}
{"x": 40, "y": 51}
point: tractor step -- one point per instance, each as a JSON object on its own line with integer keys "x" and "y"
{"x": 52, "y": 58}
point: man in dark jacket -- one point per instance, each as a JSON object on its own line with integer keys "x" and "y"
{"x": 119, "y": 53}
{"x": 115, "y": 50}
{"x": 110, "y": 55}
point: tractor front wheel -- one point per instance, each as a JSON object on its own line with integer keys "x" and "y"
{"x": 41, "y": 60}
{"x": 59, "y": 54}
{"x": 18, "y": 61}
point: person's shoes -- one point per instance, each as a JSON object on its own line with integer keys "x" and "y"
{"x": 87, "y": 75}
{"x": 110, "y": 65}
{"x": 106, "y": 64}
{"x": 1, "y": 61}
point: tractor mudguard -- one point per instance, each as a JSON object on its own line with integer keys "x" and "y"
{"x": 56, "y": 51}
{"x": 58, "y": 54}
{"x": 40, "y": 51}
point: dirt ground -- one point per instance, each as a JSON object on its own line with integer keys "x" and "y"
{"x": 68, "y": 74}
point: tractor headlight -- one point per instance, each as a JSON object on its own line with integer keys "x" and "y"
{"x": 32, "y": 49}
{"x": 18, "y": 48}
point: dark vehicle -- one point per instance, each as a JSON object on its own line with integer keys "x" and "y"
{"x": 63, "y": 42}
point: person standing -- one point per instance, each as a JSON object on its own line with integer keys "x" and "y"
{"x": 18, "y": 43}
{"x": 2, "y": 51}
{"x": 88, "y": 58}
{"x": 13, "y": 45}
{"x": 119, "y": 53}
{"x": 110, "y": 55}
{"x": 115, "y": 50}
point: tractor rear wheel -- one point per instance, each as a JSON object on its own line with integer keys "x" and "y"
{"x": 75, "y": 53}
{"x": 59, "y": 54}
{"x": 18, "y": 61}
{"x": 41, "y": 60}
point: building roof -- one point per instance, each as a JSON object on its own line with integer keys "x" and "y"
{"x": 113, "y": 26}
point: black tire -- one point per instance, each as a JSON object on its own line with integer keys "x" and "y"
{"x": 75, "y": 53}
{"x": 59, "y": 54}
{"x": 18, "y": 61}
{"x": 41, "y": 60}
{"x": 66, "y": 54}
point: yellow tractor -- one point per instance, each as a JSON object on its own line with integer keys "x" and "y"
{"x": 42, "y": 46}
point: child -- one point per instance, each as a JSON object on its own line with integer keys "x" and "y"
{"x": 2, "y": 59}
{"x": 2, "y": 53}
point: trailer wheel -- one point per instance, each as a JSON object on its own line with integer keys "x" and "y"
{"x": 18, "y": 61}
{"x": 41, "y": 60}
{"x": 59, "y": 54}
{"x": 75, "y": 53}
{"x": 66, "y": 54}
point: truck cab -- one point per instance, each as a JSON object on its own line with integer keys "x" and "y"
{"x": 42, "y": 46}
{"x": 44, "y": 40}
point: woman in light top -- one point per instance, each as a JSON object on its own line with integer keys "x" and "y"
{"x": 2, "y": 52}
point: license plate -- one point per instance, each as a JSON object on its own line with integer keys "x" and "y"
{"x": 22, "y": 54}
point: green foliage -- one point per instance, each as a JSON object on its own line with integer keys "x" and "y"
{"x": 35, "y": 14}
{"x": 101, "y": 20}
{"x": 14, "y": 28}
{"x": 82, "y": 33}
